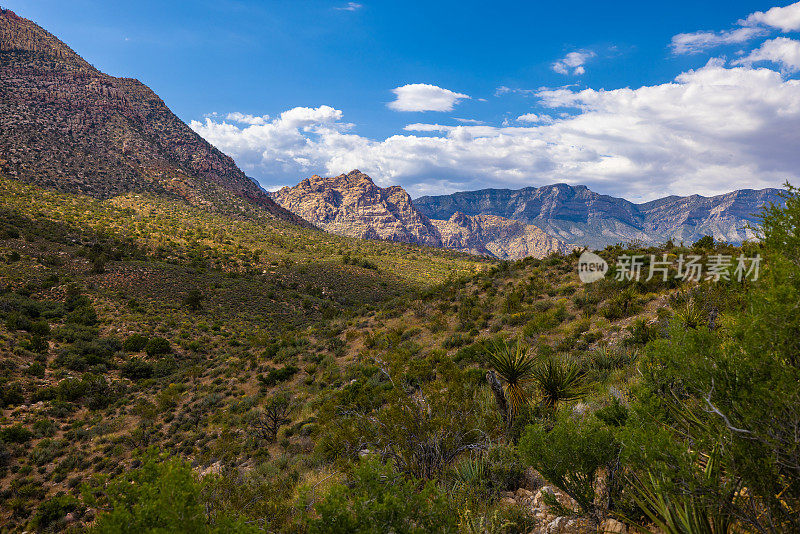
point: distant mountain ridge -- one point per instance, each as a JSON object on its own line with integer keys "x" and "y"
{"x": 66, "y": 125}
{"x": 352, "y": 205}
{"x": 576, "y": 214}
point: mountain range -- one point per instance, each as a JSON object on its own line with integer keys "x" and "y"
{"x": 352, "y": 205}
{"x": 575, "y": 214}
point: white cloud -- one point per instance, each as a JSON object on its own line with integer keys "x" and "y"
{"x": 781, "y": 51}
{"x": 424, "y": 97}
{"x": 754, "y": 25}
{"x": 351, "y": 6}
{"x": 693, "y": 43}
{"x": 468, "y": 121}
{"x": 709, "y": 131}
{"x": 573, "y": 62}
{"x": 247, "y": 119}
{"x": 502, "y": 90}
{"x": 786, "y": 19}
{"x": 533, "y": 117}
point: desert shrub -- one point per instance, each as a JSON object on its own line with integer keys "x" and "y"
{"x": 16, "y": 433}
{"x": 423, "y": 432}
{"x": 274, "y": 376}
{"x": 614, "y": 414}
{"x": 52, "y": 511}
{"x": 157, "y": 346}
{"x": 165, "y": 366}
{"x": 83, "y": 315}
{"x": 75, "y": 332}
{"x": 454, "y": 341}
{"x": 378, "y": 499}
{"x": 84, "y": 354}
{"x": 136, "y": 369}
{"x": 505, "y": 468}
{"x": 10, "y": 394}
{"x": 70, "y": 389}
{"x": 570, "y": 456}
{"x": 162, "y": 495}
{"x": 44, "y": 428}
{"x": 624, "y": 304}
{"x": 135, "y": 343}
{"x": 704, "y": 243}
{"x": 546, "y": 320}
{"x": 194, "y": 300}
{"x": 642, "y": 331}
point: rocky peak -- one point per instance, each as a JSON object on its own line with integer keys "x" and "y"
{"x": 20, "y": 34}
{"x": 351, "y": 204}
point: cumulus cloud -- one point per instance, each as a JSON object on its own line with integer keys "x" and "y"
{"x": 244, "y": 118}
{"x": 708, "y": 131}
{"x": 573, "y": 62}
{"x": 693, "y": 43}
{"x": 424, "y": 97}
{"x": 781, "y": 51}
{"x": 754, "y": 25}
{"x": 786, "y": 19}
{"x": 533, "y": 117}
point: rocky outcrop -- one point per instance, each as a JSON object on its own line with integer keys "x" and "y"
{"x": 575, "y": 214}
{"x": 66, "y": 125}
{"x": 497, "y": 236}
{"x": 535, "y": 504}
{"x": 352, "y": 205}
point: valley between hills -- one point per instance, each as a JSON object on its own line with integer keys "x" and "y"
{"x": 181, "y": 351}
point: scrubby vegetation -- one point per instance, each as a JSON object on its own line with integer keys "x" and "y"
{"x": 167, "y": 368}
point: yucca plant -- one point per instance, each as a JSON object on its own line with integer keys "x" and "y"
{"x": 469, "y": 472}
{"x": 470, "y": 523}
{"x": 691, "y": 315}
{"x": 559, "y": 381}
{"x": 514, "y": 365}
{"x": 678, "y": 513}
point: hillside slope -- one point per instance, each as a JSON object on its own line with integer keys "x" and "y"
{"x": 68, "y": 126}
{"x": 499, "y": 237}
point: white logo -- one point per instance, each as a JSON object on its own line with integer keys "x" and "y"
{"x": 591, "y": 267}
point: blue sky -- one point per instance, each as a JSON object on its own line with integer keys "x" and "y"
{"x": 443, "y": 96}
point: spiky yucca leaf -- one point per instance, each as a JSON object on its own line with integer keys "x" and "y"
{"x": 514, "y": 366}
{"x": 559, "y": 381}
{"x": 470, "y": 471}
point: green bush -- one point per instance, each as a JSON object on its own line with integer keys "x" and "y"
{"x": 274, "y": 376}
{"x": 136, "y": 369}
{"x": 135, "y": 343}
{"x": 157, "y": 346}
{"x": 53, "y": 510}
{"x": 570, "y": 456}
{"x": 16, "y": 433}
{"x": 378, "y": 500}
{"x": 163, "y": 495}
